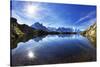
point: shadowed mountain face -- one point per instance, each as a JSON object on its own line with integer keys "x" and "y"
{"x": 39, "y": 26}
{"x": 23, "y": 29}
{"x": 22, "y": 32}
{"x": 16, "y": 31}
{"x": 90, "y": 33}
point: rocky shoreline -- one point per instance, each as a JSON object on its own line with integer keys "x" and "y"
{"x": 90, "y": 33}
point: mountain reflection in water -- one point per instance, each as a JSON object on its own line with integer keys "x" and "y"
{"x": 51, "y": 49}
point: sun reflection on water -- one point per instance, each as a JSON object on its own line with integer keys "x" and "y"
{"x": 31, "y": 54}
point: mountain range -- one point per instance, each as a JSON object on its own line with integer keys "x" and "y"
{"x": 39, "y": 26}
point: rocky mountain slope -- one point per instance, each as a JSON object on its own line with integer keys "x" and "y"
{"x": 22, "y": 32}
{"x": 90, "y": 33}
{"x": 39, "y": 26}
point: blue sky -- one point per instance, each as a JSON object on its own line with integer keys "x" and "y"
{"x": 53, "y": 14}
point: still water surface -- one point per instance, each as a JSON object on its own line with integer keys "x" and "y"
{"x": 52, "y": 49}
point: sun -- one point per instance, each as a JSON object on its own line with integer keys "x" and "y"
{"x": 31, "y": 9}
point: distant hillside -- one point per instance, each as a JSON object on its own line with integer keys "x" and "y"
{"x": 22, "y": 32}
{"x": 90, "y": 33}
